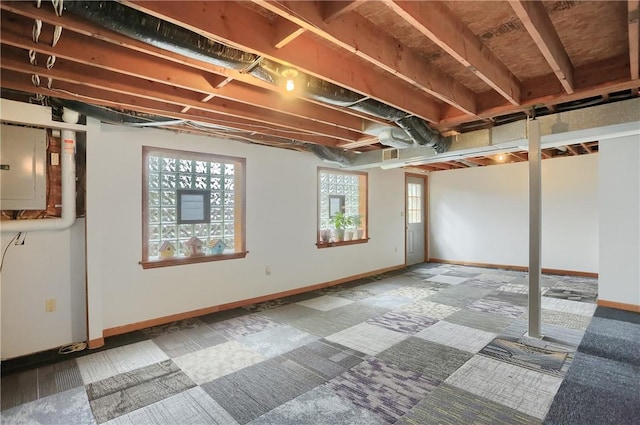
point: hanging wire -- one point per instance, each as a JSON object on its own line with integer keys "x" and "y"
{"x": 37, "y": 29}
{"x": 49, "y": 83}
{"x": 51, "y": 61}
{"x": 57, "y": 32}
{"x": 58, "y": 6}
{"x": 38, "y": 3}
{"x": 35, "y": 79}
{"x": 33, "y": 57}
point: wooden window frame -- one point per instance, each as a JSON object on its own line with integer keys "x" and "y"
{"x": 363, "y": 206}
{"x": 239, "y": 207}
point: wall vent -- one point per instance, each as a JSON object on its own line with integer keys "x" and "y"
{"x": 389, "y": 154}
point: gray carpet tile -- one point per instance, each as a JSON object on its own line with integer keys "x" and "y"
{"x": 353, "y": 294}
{"x": 584, "y": 284}
{"x": 329, "y": 322}
{"x": 68, "y": 407}
{"x": 620, "y": 315}
{"x": 185, "y": 341}
{"x": 610, "y": 347}
{"x": 289, "y": 313}
{"x": 319, "y": 406}
{"x": 324, "y": 359}
{"x": 497, "y": 307}
{"x": 436, "y": 286}
{"x": 554, "y": 363}
{"x": 476, "y": 282}
{"x": 401, "y": 321}
{"x": 384, "y": 389}
{"x": 275, "y": 341}
{"x": 618, "y": 378}
{"x": 19, "y": 388}
{"x": 514, "y": 298}
{"x": 427, "y": 358}
{"x": 448, "y": 405}
{"x": 221, "y": 316}
{"x": 580, "y": 404}
{"x": 459, "y": 295}
{"x": 191, "y": 407}
{"x": 553, "y": 335}
{"x": 571, "y": 294}
{"x": 244, "y": 325}
{"x": 488, "y": 322}
{"x": 615, "y": 328}
{"x": 173, "y": 327}
{"x": 562, "y": 319}
{"x": 255, "y": 390}
{"x": 124, "y": 393}
{"x": 266, "y": 305}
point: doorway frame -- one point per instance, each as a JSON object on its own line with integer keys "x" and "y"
{"x": 425, "y": 208}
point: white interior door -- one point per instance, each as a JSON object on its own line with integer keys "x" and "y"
{"x": 415, "y": 220}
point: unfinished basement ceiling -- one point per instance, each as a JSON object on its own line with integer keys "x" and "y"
{"x": 452, "y": 66}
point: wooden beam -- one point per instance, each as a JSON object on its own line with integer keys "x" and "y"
{"x": 440, "y": 165}
{"x": 211, "y": 19}
{"x": 87, "y": 78}
{"x": 334, "y": 9}
{"x": 360, "y": 37}
{"x": 519, "y": 156}
{"x": 633, "y": 7}
{"x": 77, "y": 25}
{"x": 537, "y": 22}
{"x": 438, "y": 23}
{"x": 586, "y": 147}
{"x": 363, "y": 141}
{"x": 78, "y": 48}
{"x": 572, "y": 150}
{"x": 64, "y": 90}
{"x": 285, "y": 32}
{"x": 479, "y": 161}
{"x": 545, "y": 154}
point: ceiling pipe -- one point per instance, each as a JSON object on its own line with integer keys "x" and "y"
{"x": 68, "y": 167}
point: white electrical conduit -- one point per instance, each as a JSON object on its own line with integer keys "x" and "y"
{"x": 68, "y": 166}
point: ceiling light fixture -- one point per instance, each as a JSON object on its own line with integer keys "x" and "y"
{"x": 290, "y": 75}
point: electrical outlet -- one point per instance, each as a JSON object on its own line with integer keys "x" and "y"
{"x": 50, "y": 305}
{"x": 267, "y": 270}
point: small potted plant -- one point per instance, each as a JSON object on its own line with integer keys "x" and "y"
{"x": 356, "y": 220}
{"x": 341, "y": 222}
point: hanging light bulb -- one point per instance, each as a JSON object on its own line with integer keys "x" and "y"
{"x": 290, "y": 76}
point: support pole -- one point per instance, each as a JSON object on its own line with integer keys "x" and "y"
{"x": 535, "y": 225}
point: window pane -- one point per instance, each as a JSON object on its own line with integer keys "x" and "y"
{"x": 343, "y": 184}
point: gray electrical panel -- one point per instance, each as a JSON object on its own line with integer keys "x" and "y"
{"x": 23, "y": 160}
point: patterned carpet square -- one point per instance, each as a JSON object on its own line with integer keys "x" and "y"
{"x": 487, "y": 322}
{"x": 68, "y": 407}
{"x": 105, "y": 364}
{"x": 384, "y": 389}
{"x": 457, "y": 336}
{"x": 255, "y": 390}
{"x": 319, "y": 406}
{"x": 175, "y": 344}
{"x": 448, "y": 405}
{"x": 451, "y": 280}
{"x": 414, "y": 292}
{"x": 244, "y": 325}
{"x": 554, "y": 363}
{"x": 566, "y": 306}
{"x": 427, "y": 358}
{"x": 387, "y": 300}
{"x": 430, "y": 309}
{"x": 513, "y": 386}
{"x": 325, "y": 302}
{"x": 324, "y": 359}
{"x": 367, "y": 338}
{"x": 275, "y": 341}
{"x": 497, "y": 307}
{"x": 213, "y": 362}
{"x": 566, "y": 320}
{"x": 193, "y": 406}
{"x": 402, "y": 321}
{"x": 129, "y": 391}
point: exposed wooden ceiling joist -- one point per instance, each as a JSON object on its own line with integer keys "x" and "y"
{"x": 358, "y": 36}
{"x": 535, "y": 19}
{"x": 633, "y": 7}
{"x": 440, "y": 25}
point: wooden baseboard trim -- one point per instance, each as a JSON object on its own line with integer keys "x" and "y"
{"x": 95, "y": 343}
{"x": 228, "y": 306}
{"x": 619, "y": 306}
{"x": 515, "y": 268}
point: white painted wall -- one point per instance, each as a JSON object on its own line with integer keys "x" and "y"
{"x": 481, "y": 215}
{"x": 619, "y": 278}
{"x": 281, "y": 231}
{"x": 49, "y": 265}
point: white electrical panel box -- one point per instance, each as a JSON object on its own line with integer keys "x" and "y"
{"x": 23, "y": 157}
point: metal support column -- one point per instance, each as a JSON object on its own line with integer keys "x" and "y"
{"x": 535, "y": 225}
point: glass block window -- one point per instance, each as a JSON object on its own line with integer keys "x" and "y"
{"x": 414, "y": 203}
{"x": 191, "y": 202}
{"x": 342, "y": 192}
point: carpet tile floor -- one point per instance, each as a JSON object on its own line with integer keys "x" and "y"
{"x": 429, "y": 344}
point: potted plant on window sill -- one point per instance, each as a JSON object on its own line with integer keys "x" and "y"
{"x": 340, "y": 222}
{"x": 356, "y": 220}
